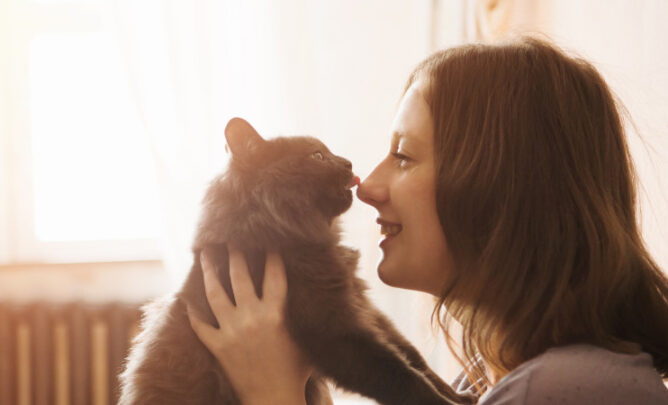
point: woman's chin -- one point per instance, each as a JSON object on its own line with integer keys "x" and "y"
{"x": 384, "y": 274}
{"x": 391, "y": 276}
{"x": 388, "y": 274}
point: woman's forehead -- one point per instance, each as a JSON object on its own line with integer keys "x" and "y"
{"x": 413, "y": 121}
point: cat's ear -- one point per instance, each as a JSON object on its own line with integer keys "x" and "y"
{"x": 241, "y": 137}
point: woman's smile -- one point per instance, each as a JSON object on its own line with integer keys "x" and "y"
{"x": 388, "y": 229}
{"x": 402, "y": 188}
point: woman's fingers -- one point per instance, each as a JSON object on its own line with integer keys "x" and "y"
{"x": 215, "y": 294}
{"x": 275, "y": 284}
{"x": 252, "y": 344}
{"x": 242, "y": 285}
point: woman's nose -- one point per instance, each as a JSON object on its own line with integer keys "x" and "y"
{"x": 373, "y": 190}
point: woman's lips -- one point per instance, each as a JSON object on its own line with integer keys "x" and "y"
{"x": 390, "y": 230}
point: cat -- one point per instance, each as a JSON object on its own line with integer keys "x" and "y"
{"x": 286, "y": 194}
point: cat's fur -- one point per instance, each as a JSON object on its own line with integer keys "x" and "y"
{"x": 279, "y": 194}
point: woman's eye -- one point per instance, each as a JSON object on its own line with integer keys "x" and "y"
{"x": 317, "y": 156}
{"x": 401, "y": 159}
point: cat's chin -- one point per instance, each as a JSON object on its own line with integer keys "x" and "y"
{"x": 338, "y": 205}
{"x": 346, "y": 203}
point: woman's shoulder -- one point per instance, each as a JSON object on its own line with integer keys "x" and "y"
{"x": 581, "y": 374}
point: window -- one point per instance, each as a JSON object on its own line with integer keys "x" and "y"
{"x": 78, "y": 176}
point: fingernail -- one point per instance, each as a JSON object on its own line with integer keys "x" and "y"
{"x": 202, "y": 257}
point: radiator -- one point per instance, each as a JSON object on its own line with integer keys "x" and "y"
{"x": 65, "y": 354}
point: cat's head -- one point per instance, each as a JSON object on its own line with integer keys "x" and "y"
{"x": 293, "y": 179}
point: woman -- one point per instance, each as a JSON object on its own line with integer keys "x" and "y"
{"x": 509, "y": 194}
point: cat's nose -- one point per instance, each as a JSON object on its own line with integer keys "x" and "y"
{"x": 348, "y": 164}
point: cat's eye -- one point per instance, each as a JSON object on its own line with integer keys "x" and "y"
{"x": 317, "y": 156}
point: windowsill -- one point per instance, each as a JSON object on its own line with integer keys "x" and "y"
{"x": 134, "y": 282}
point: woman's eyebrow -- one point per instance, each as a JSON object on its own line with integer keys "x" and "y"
{"x": 398, "y": 136}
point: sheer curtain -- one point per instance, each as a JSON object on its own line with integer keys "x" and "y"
{"x": 330, "y": 69}
{"x": 194, "y": 65}
{"x": 165, "y": 49}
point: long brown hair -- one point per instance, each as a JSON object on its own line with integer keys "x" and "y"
{"x": 536, "y": 195}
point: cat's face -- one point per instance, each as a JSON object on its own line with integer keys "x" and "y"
{"x": 290, "y": 173}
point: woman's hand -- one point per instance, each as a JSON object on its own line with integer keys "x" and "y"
{"x": 252, "y": 344}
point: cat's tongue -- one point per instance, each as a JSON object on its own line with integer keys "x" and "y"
{"x": 355, "y": 181}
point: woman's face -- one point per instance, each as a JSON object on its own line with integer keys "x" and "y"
{"x": 403, "y": 190}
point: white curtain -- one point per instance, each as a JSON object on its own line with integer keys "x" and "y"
{"x": 330, "y": 69}
{"x": 164, "y": 47}
{"x": 194, "y": 65}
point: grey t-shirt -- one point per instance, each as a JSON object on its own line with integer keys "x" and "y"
{"x": 577, "y": 375}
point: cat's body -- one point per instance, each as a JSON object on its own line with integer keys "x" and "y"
{"x": 282, "y": 194}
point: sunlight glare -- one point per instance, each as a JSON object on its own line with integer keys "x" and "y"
{"x": 94, "y": 177}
